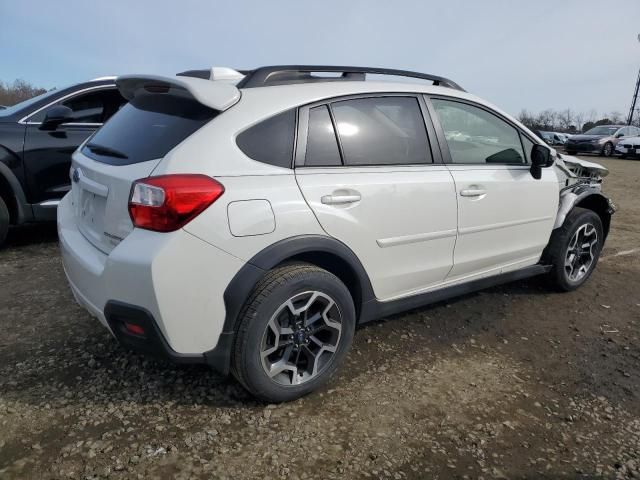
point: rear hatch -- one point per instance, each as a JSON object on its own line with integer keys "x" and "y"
{"x": 161, "y": 113}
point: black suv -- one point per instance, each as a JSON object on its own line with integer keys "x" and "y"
{"x": 37, "y": 138}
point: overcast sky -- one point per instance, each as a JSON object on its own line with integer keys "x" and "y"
{"x": 580, "y": 54}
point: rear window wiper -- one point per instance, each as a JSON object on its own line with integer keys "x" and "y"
{"x": 103, "y": 150}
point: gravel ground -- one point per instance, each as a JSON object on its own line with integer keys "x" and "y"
{"x": 512, "y": 382}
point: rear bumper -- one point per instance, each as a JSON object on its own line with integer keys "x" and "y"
{"x": 174, "y": 283}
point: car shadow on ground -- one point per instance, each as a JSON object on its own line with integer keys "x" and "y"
{"x": 31, "y": 234}
{"x": 88, "y": 366}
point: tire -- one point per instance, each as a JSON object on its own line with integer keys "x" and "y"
{"x": 277, "y": 304}
{"x": 4, "y": 221}
{"x": 607, "y": 150}
{"x": 623, "y": 156}
{"x": 569, "y": 152}
{"x": 580, "y": 225}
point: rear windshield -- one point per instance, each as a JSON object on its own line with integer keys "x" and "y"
{"x": 147, "y": 128}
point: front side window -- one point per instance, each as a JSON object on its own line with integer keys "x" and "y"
{"x": 382, "y": 131}
{"x": 93, "y": 107}
{"x": 476, "y": 136}
{"x": 528, "y": 146}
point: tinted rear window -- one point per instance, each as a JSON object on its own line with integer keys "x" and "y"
{"x": 271, "y": 141}
{"x": 147, "y": 128}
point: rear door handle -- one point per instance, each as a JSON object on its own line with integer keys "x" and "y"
{"x": 472, "y": 192}
{"x": 340, "y": 199}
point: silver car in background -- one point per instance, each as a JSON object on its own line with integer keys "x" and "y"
{"x": 601, "y": 140}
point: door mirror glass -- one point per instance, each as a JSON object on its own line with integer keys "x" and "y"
{"x": 540, "y": 158}
{"x": 56, "y": 116}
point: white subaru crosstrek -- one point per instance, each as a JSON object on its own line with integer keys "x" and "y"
{"x": 250, "y": 221}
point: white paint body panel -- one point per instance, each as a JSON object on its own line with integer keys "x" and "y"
{"x": 404, "y": 227}
{"x": 175, "y": 276}
{"x": 509, "y": 224}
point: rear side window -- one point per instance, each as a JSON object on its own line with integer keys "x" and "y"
{"x": 147, "y": 128}
{"x": 271, "y": 141}
{"x": 382, "y": 131}
{"x": 322, "y": 147}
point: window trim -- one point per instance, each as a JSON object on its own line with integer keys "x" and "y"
{"x": 303, "y": 129}
{"x": 444, "y": 146}
{"x": 25, "y": 120}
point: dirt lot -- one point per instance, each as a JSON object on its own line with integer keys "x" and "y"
{"x": 513, "y": 382}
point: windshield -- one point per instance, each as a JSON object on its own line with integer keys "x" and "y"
{"x": 602, "y": 130}
{"x": 19, "y": 106}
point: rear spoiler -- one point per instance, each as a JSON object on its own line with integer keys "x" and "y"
{"x": 217, "y": 95}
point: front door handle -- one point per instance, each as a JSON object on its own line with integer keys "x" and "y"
{"x": 340, "y": 199}
{"x": 472, "y": 192}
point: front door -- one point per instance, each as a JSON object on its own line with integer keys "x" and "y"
{"x": 505, "y": 216}
{"x": 365, "y": 167}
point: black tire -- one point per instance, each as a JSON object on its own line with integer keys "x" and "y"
{"x": 4, "y": 221}
{"x": 569, "y": 152}
{"x": 559, "y": 248}
{"x": 623, "y": 157}
{"x": 268, "y": 298}
{"x": 607, "y": 149}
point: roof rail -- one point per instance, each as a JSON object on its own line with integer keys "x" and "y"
{"x": 288, "y": 74}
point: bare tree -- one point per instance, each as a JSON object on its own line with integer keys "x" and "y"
{"x": 17, "y": 92}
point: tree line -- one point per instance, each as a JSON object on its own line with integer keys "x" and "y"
{"x": 569, "y": 121}
{"x": 19, "y": 90}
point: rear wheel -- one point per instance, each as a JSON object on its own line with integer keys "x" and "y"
{"x": 4, "y": 221}
{"x": 607, "y": 150}
{"x": 295, "y": 330}
{"x": 574, "y": 249}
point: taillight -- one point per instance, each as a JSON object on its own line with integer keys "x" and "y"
{"x": 168, "y": 202}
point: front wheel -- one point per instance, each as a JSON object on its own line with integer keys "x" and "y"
{"x": 607, "y": 150}
{"x": 294, "y": 332}
{"x": 574, "y": 249}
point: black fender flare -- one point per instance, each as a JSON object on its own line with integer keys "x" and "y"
{"x": 23, "y": 210}
{"x": 240, "y": 287}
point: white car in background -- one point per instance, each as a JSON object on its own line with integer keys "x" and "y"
{"x": 628, "y": 147}
{"x": 249, "y": 221}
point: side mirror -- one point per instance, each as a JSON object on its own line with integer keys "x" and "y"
{"x": 540, "y": 158}
{"x": 56, "y": 116}
{"x": 619, "y": 135}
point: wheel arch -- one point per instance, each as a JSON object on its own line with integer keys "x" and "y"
{"x": 590, "y": 198}
{"x": 322, "y": 251}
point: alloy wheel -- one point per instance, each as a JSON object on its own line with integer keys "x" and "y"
{"x": 581, "y": 252}
{"x": 301, "y": 338}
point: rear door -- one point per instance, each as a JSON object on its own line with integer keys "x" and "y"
{"x": 505, "y": 216}
{"x": 47, "y": 154}
{"x": 365, "y": 165}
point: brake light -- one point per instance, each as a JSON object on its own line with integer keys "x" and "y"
{"x": 168, "y": 202}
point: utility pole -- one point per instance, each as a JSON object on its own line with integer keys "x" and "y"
{"x": 635, "y": 96}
